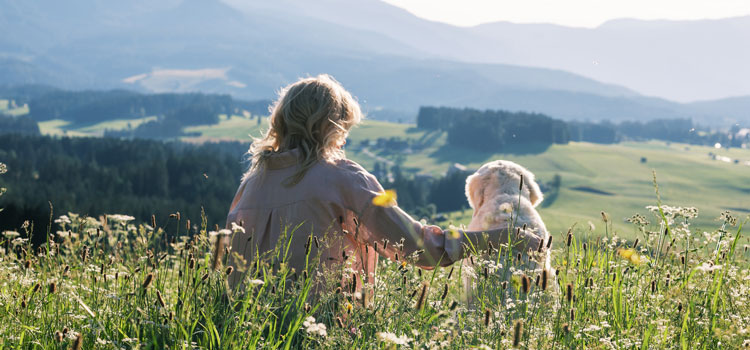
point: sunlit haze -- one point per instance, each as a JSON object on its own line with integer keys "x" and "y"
{"x": 577, "y": 13}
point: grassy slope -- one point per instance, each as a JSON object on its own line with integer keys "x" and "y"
{"x": 61, "y": 127}
{"x": 687, "y": 176}
{"x": 5, "y": 108}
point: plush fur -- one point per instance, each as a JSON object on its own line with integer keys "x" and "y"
{"x": 493, "y": 192}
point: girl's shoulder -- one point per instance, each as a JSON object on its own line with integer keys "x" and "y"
{"x": 349, "y": 171}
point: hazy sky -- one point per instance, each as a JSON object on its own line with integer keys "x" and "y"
{"x": 579, "y": 13}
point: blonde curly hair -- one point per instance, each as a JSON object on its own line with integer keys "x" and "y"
{"x": 313, "y": 115}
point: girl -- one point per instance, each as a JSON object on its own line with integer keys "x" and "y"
{"x": 300, "y": 177}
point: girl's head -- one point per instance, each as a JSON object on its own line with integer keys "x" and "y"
{"x": 313, "y": 115}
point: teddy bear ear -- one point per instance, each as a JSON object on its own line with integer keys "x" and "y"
{"x": 474, "y": 190}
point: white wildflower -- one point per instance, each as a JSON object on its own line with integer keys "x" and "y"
{"x": 237, "y": 228}
{"x": 706, "y": 267}
{"x": 391, "y": 338}
{"x": 315, "y": 328}
{"x": 120, "y": 218}
{"x": 11, "y": 234}
{"x": 506, "y": 207}
{"x": 63, "y": 219}
{"x": 591, "y": 328}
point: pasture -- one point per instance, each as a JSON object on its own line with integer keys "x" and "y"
{"x": 617, "y": 179}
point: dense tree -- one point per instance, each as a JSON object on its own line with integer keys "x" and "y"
{"x": 20, "y": 125}
{"x": 95, "y": 176}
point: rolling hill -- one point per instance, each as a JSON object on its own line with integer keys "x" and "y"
{"x": 210, "y": 46}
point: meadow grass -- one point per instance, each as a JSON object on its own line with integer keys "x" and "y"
{"x": 107, "y": 283}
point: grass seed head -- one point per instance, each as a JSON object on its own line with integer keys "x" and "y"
{"x": 147, "y": 281}
{"x": 160, "y": 299}
{"x": 569, "y": 293}
{"x": 517, "y": 332}
{"x": 545, "y": 277}
{"x": 525, "y": 284}
{"x": 487, "y": 314}
{"x": 78, "y": 343}
{"x": 423, "y": 296}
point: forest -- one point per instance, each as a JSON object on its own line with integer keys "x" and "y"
{"x": 497, "y": 129}
{"x": 95, "y": 176}
{"x": 174, "y": 111}
{"x": 22, "y": 125}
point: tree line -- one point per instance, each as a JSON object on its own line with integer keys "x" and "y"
{"x": 174, "y": 111}
{"x": 498, "y": 129}
{"x": 20, "y": 125}
{"x": 95, "y": 176}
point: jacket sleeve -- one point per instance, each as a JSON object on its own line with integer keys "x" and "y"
{"x": 392, "y": 231}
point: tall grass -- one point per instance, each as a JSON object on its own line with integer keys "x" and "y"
{"x": 107, "y": 283}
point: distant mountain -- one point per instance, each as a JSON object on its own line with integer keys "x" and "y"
{"x": 210, "y": 46}
{"x": 678, "y": 60}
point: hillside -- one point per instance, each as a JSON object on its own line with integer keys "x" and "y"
{"x": 595, "y": 177}
{"x": 210, "y": 46}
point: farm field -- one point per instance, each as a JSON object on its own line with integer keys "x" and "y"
{"x": 60, "y": 127}
{"x": 5, "y": 108}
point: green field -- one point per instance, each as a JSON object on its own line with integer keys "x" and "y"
{"x": 686, "y": 175}
{"x": 110, "y": 283}
{"x": 5, "y": 108}
{"x": 60, "y": 127}
{"x": 595, "y": 177}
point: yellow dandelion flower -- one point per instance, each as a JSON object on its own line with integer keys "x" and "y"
{"x": 454, "y": 232}
{"x": 630, "y": 254}
{"x": 385, "y": 199}
{"x": 349, "y": 307}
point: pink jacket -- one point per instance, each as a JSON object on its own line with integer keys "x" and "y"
{"x": 330, "y": 200}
